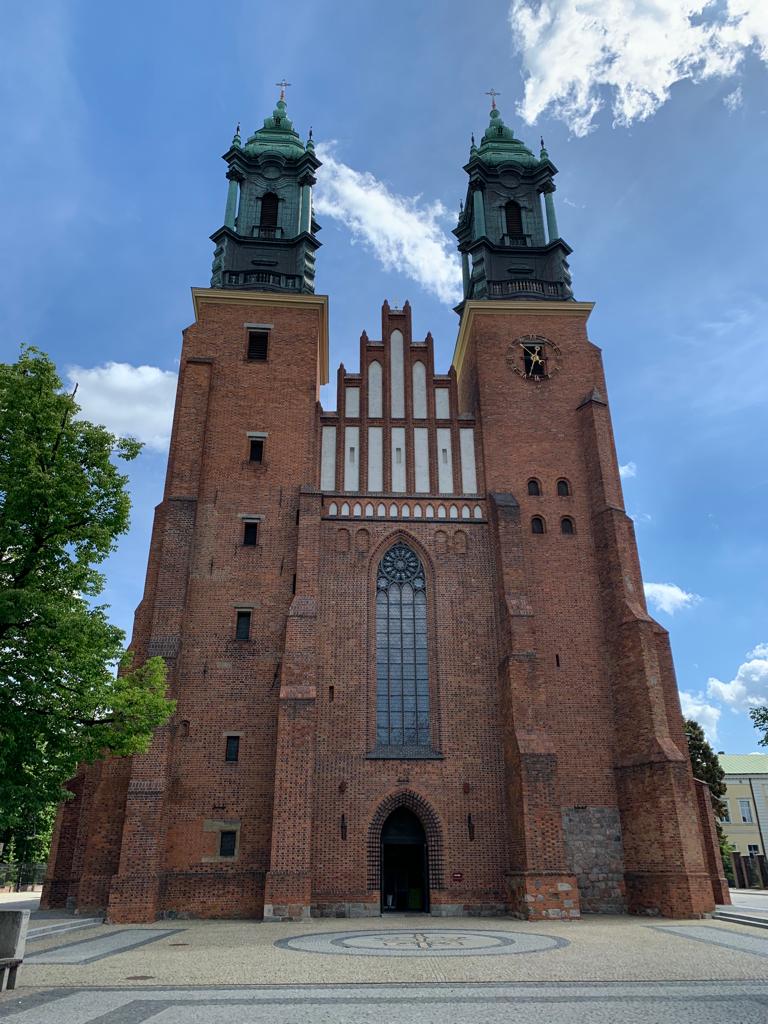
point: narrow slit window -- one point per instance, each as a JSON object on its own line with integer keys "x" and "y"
{"x": 445, "y": 455}
{"x": 399, "y": 456}
{"x": 243, "y": 626}
{"x": 250, "y": 533}
{"x": 232, "y": 749}
{"x": 227, "y": 843}
{"x": 258, "y": 344}
{"x": 257, "y": 449}
{"x": 537, "y": 525}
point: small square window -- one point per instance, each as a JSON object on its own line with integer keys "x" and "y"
{"x": 250, "y": 533}
{"x": 232, "y": 751}
{"x": 258, "y": 343}
{"x": 243, "y": 628}
{"x": 257, "y": 449}
{"x": 227, "y": 843}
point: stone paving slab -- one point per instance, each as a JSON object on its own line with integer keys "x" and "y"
{"x": 667, "y": 1003}
{"x": 743, "y": 940}
{"x": 86, "y": 951}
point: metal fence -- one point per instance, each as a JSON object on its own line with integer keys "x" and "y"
{"x": 17, "y": 877}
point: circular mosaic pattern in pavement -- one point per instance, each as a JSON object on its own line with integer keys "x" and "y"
{"x": 423, "y": 942}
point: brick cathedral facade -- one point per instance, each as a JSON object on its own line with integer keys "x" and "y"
{"x": 412, "y": 660}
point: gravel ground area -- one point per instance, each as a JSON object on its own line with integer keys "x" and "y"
{"x": 661, "y": 1003}
{"x": 254, "y": 953}
{"x": 398, "y": 969}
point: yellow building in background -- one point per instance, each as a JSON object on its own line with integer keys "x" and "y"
{"x": 746, "y": 825}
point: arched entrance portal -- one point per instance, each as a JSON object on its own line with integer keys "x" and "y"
{"x": 404, "y": 871}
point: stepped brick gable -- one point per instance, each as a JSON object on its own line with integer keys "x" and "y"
{"x": 408, "y": 641}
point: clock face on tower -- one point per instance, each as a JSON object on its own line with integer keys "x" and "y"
{"x": 534, "y": 358}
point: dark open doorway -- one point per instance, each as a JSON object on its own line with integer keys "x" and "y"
{"x": 404, "y": 872}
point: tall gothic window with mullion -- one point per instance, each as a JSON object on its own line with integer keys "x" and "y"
{"x": 402, "y": 677}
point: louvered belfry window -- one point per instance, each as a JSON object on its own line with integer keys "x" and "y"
{"x": 402, "y": 677}
{"x": 514, "y": 219}
{"x": 269, "y": 203}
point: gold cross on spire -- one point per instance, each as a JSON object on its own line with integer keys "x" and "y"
{"x": 493, "y": 94}
{"x": 282, "y": 86}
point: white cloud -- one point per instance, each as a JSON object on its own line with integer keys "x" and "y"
{"x": 669, "y": 598}
{"x": 135, "y": 401}
{"x": 707, "y": 715}
{"x": 749, "y": 687}
{"x": 733, "y": 100}
{"x": 404, "y": 233}
{"x": 627, "y": 471}
{"x": 574, "y": 51}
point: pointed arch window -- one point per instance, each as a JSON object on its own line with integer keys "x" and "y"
{"x": 513, "y": 222}
{"x": 269, "y": 204}
{"x": 402, "y": 674}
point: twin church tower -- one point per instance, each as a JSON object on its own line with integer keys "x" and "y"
{"x": 408, "y": 642}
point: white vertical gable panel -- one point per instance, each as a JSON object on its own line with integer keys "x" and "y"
{"x": 398, "y": 458}
{"x": 396, "y": 375}
{"x": 328, "y": 460}
{"x": 375, "y": 407}
{"x": 444, "y": 461}
{"x": 419, "y": 391}
{"x": 375, "y": 459}
{"x": 467, "y": 452}
{"x": 351, "y": 458}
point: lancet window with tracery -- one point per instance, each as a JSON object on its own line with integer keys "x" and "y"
{"x": 402, "y": 676}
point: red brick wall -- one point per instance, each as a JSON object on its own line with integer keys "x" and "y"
{"x": 555, "y": 721}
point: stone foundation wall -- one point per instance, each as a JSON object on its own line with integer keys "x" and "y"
{"x": 596, "y": 857}
{"x": 469, "y": 910}
{"x": 544, "y": 897}
{"x": 345, "y": 909}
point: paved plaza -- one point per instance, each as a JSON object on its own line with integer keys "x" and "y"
{"x": 400, "y": 968}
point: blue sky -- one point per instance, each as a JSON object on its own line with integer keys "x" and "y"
{"x": 114, "y": 118}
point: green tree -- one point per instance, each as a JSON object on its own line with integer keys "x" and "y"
{"x": 707, "y": 767}
{"x": 63, "y": 504}
{"x": 759, "y": 718}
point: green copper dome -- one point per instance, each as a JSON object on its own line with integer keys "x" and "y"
{"x": 499, "y": 145}
{"x": 277, "y": 136}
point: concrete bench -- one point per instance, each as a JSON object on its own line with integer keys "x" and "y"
{"x": 13, "y": 936}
